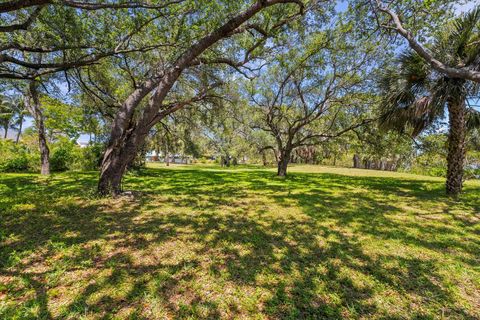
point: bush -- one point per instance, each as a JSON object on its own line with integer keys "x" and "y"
{"x": 431, "y": 164}
{"x": 90, "y": 157}
{"x": 19, "y": 163}
{"x": 62, "y": 156}
{"x": 472, "y": 174}
{"x": 15, "y": 157}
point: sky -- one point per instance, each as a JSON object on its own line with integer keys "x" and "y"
{"x": 466, "y": 6}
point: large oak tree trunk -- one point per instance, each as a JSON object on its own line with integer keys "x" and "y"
{"x": 128, "y": 134}
{"x": 283, "y": 161}
{"x": 33, "y": 106}
{"x": 456, "y": 148}
{"x": 115, "y": 162}
{"x": 111, "y": 178}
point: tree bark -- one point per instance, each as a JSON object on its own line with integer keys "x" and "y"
{"x": 114, "y": 166}
{"x": 127, "y": 134}
{"x": 227, "y": 160}
{"x": 33, "y": 106}
{"x": 383, "y": 165}
{"x": 264, "y": 158}
{"x": 356, "y": 161}
{"x": 167, "y": 157}
{"x": 456, "y": 148}
{"x": 17, "y": 139}
{"x": 5, "y": 128}
{"x": 283, "y": 161}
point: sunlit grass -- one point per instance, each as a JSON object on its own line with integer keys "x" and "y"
{"x": 204, "y": 242}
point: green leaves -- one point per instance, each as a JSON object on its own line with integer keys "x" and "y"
{"x": 60, "y": 118}
{"x": 415, "y": 95}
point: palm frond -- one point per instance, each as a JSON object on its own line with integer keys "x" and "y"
{"x": 412, "y": 119}
{"x": 415, "y": 71}
{"x": 408, "y": 106}
{"x": 459, "y": 42}
{"x": 473, "y": 119}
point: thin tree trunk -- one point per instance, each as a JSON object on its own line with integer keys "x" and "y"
{"x": 5, "y": 128}
{"x": 227, "y": 160}
{"x": 33, "y": 106}
{"x": 264, "y": 158}
{"x": 17, "y": 139}
{"x": 356, "y": 161}
{"x": 167, "y": 157}
{"x": 456, "y": 148}
{"x": 383, "y": 165}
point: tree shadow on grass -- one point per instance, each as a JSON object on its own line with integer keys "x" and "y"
{"x": 196, "y": 239}
{"x": 370, "y": 217}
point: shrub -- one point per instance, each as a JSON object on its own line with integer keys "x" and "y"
{"x": 19, "y": 163}
{"x": 90, "y": 157}
{"x": 62, "y": 156}
{"x": 15, "y": 157}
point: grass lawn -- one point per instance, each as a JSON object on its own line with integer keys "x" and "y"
{"x": 197, "y": 242}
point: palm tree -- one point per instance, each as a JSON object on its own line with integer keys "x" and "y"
{"x": 12, "y": 115}
{"x": 20, "y": 112}
{"x": 6, "y": 115}
{"x": 416, "y": 96}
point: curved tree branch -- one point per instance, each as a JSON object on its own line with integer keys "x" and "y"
{"x": 23, "y": 25}
{"x": 453, "y": 72}
{"x": 84, "y": 5}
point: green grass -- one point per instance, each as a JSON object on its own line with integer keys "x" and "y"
{"x": 207, "y": 243}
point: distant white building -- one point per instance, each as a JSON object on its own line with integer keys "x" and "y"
{"x": 173, "y": 158}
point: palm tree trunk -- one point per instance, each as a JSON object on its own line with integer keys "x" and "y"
{"x": 20, "y": 127}
{"x": 456, "y": 148}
